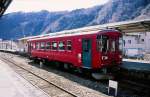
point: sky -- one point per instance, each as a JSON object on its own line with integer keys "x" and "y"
{"x": 51, "y": 5}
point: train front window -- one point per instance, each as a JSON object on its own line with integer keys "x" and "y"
{"x": 102, "y": 43}
{"x": 113, "y": 45}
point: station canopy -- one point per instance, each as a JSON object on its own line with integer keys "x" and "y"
{"x": 131, "y": 26}
{"x": 3, "y": 6}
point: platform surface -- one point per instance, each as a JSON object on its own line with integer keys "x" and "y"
{"x": 138, "y": 65}
{"x": 13, "y": 85}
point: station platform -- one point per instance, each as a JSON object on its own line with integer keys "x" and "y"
{"x": 138, "y": 65}
{"x": 13, "y": 85}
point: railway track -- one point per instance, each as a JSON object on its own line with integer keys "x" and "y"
{"x": 130, "y": 87}
{"x": 47, "y": 85}
{"x": 138, "y": 88}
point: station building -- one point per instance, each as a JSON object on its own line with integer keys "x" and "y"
{"x": 137, "y": 40}
{"x": 137, "y": 45}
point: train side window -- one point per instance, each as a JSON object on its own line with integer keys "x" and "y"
{"x": 48, "y": 45}
{"x": 42, "y": 46}
{"x": 61, "y": 45}
{"x": 69, "y": 45}
{"x": 37, "y": 46}
{"x": 54, "y": 45}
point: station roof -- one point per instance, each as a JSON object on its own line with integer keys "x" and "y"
{"x": 4, "y": 5}
{"x": 131, "y": 26}
{"x": 125, "y": 27}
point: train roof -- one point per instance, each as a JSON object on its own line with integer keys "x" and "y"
{"x": 88, "y": 29}
{"x": 74, "y": 32}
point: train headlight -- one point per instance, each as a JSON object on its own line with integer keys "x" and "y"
{"x": 79, "y": 57}
{"x": 104, "y": 57}
{"x": 120, "y": 56}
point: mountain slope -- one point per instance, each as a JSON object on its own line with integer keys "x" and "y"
{"x": 19, "y": 24}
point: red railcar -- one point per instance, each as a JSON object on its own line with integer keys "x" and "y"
{"x": 89, "y": 49}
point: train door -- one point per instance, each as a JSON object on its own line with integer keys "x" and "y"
{"x": 86, "y": 53}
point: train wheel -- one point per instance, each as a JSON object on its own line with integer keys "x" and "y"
{"x": 36, "y": 60}
{"x": 79, "y": 70}
{"x": 56, "y": 64}
{"x": 66, "y": 66}
{"x": 71, "y": 67}
{"x": 46, "y": 62}
{"x": 59, "y": 65}
{"x": 86, "y": 72}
